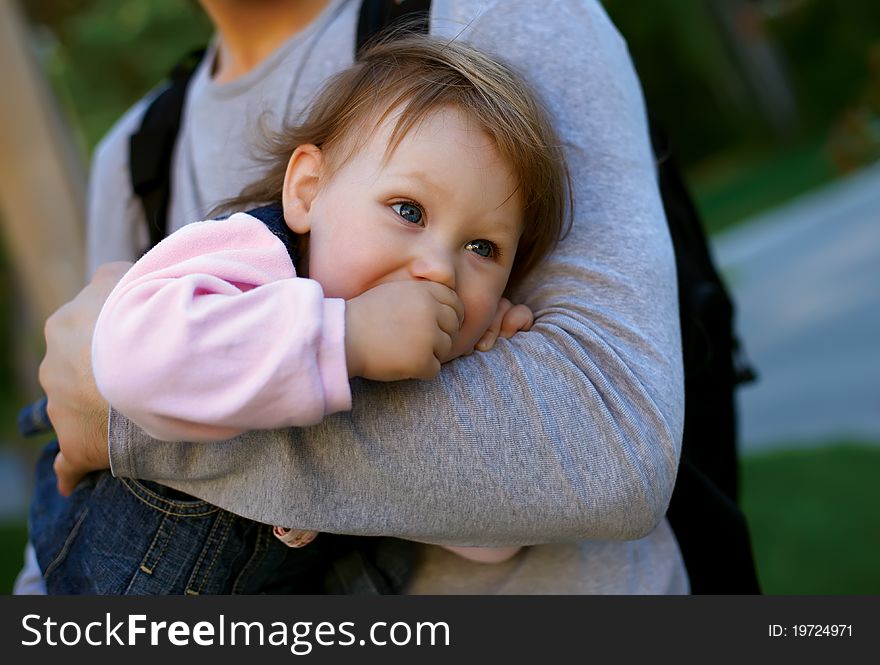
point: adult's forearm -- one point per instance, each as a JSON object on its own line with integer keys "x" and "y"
{"x": 552, "y": 436}
{"x": 569, "y": 431}
{"x": 485, "y": 479}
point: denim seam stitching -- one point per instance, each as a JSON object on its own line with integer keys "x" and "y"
{"x": 149, "y": 568}
{"x": 260, "y": 550}
{"x": 183, "y": 505}
{"x": 67, "y": 544}
{"x": 201, "y": 578}
{"x": 183, "y": 510}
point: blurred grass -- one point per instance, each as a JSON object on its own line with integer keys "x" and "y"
{"x": 814, "y": 516}
{"x": 736, "y": 186}
{"x": 13, "y": 536}
{"x": 815, "y": 519}
{"x": 10, "y": 398}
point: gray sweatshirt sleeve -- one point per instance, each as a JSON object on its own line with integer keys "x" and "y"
{"x": 566, "y": 432}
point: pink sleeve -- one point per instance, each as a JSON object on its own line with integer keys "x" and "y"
{"x": 212, "y": 334}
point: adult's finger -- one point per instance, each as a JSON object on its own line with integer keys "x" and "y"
{"x": 68, "y": 476}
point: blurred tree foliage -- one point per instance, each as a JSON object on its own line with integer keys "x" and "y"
{"x": 103, "y": 55}
{"x": 691, "y": 82}
{"x": 828, "y": 45}
{"x": 697, "y": 86}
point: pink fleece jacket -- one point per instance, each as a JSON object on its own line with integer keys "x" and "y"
{"x": 212, "y": 334}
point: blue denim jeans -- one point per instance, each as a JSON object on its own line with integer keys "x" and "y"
{"x": 125, "y": 536}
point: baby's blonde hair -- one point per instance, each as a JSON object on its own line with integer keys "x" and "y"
{"x": 414, "y": 77}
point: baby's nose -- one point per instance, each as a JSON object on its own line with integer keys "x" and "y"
{"x": 436, "y": 266}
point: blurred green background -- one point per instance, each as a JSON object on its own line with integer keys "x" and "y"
{"x": 764, "y": 100}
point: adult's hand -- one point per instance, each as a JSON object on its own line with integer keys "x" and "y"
{"x": 75, "y": 407}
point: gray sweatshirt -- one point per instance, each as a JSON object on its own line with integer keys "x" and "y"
{"x": 568, "y": 434}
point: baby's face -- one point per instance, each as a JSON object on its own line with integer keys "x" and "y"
{"x": 443, "y": 207}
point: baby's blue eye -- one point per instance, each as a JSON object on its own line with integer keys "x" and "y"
{"x": 409, "y": 211}
{"x": 482, "y": 248}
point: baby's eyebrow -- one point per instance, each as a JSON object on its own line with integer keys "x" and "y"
{"x": 503, "y": 229}
{"x": 507, "y": 225}
{"x": 423, "y": 178}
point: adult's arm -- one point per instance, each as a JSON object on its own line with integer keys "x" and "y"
{"x": 212, "y": 334}
{"x": 569, "y": 431}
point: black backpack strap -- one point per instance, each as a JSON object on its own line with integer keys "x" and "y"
{"x": 376, "y": 15}
{"x": 151, "y": 147}
{"x": 712, "y": 360}
{"x": 710, "y": 527}
{"x": 272, "y": 216}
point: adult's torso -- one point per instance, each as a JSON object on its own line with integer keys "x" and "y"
{"x": 218, "y": 153}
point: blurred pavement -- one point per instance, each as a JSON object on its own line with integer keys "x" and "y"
{"x": 806, "y": 281}
{"x": 15, "y": 482}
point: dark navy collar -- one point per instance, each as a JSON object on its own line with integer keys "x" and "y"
{"x": 272, "y": 216}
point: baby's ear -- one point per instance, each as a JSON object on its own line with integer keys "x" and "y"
{"x": 301, "y": 184}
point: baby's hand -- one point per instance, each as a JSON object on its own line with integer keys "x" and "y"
{"x": 401, "y": 330}
{"x": 509, "y": 320}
